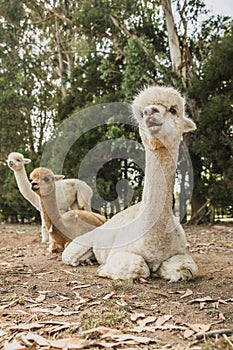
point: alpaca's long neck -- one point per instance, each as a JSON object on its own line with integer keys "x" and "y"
{"x": 25, "y": 188}
{"x": 46, "y": 218}
{"x": 51, "y": 213}
{"x": 158, "y": 187}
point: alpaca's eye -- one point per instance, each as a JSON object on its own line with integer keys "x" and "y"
{"x": 30, "y": 180}
{"x": 46, "y": 179}
{"x": 172, "y": 111}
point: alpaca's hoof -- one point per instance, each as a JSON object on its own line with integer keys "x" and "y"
{"x": 124, "y": 266}
{"x": 178, "y": 267}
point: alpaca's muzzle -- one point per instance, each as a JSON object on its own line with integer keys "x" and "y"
{"x": 34, "y": 186}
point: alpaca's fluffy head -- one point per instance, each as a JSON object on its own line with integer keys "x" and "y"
{"x": 16, "y": 161}
{"x": 160, "y": 114}
{"x": 43, "y": 181}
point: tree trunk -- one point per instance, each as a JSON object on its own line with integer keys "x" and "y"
{"x": 199, "y": 212}
{"x": 60, "y": 68}
{"x": 173, "y": 40}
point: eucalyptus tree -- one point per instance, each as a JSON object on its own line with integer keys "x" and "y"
{"x": 59, "y": 57}
{"x": 213, "y": 93}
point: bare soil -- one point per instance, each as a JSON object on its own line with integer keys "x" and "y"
{"x": 46, "y": 304}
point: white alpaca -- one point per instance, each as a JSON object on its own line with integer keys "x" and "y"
{"x": 71, "y": 193}
{"x": 146, "y": 239}
{"x": 62, "y": 228}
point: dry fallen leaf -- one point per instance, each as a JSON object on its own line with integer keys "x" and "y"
{"x": 159, "y": 293}
{"x": 143, "y": 322}
{"x": 199, "y": 328}
{"x": 126, "y": 296}
{"x": 62, "y": 297}
{"x": 188, "y": 333}
{"x": 44, "y": 273}
{"x": 201, "y": 300}
{"x": 142, "y": 280}
{"x": 26, "y": 326}
{"x": 121, "y": 302}
{"x": 38, "y": 339}
{"x": 187, "y": 293}
{"x": 124, "y": 337}
{"x": 70, "y": 343}
{"x": 68, "y": 272}
{"x": 162, "y": 319}
{"x": 52, "y": 312}
{"x": 15, "y": 345}
{"x": 81, "y": 286}
{"x": 57, "y": 308}
{"x": 9, "y": 304}
{"x": 171, "y": 327}
{"x": 108, "y": 296}
{"x": 40, "y": 298}
{"x": 101, "y": 330}
{"x": 44, "y": 291}
{"x": 135, "y": 317}
{"x": 56, "y": 329}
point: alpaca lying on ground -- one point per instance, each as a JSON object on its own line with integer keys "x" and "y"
{"x": 62, "y": 228}
{"x": 71, "y": 193}
{"x": 146, "y": 239}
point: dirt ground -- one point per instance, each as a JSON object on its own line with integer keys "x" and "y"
{"x": 46, "y": 304}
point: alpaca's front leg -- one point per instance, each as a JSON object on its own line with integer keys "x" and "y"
{"x": 75, "y": 257}
{"x": 44, "y": 231}
{"x": 124, "y": 266}
{"x": 178, "y": 267}
{"x": 77, "y": 252}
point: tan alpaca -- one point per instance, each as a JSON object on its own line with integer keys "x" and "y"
{"x": 146, "y": 239}
{"x": 71, "y": 193}
{"x": 62, "y": 228}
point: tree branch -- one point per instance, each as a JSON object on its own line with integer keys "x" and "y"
{"x": 124, "y": 30}
{"x": 54, "y": 13}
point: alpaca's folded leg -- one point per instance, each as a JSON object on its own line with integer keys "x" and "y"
{"x": 55, "y": 247}
{"x": 76, "y": 253}
{"x": 178, "y": 267}
{"x": 124, "y": 266}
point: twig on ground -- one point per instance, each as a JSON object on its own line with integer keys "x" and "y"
{"x": 215, "y": 332}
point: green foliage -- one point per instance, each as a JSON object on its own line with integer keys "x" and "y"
{"x": 213, "y": 92}
{"x": 138, "y": 67}
{"x": 56, "y": 61}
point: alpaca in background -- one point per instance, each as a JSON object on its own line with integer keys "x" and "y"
{"x": 71, "y": 193}
{"x": 62, "y": 228}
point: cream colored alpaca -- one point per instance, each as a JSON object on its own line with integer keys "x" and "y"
{"x": 62, "y": 228}
{"x": 71, "y": 193}
{"x": 146, "y": 239}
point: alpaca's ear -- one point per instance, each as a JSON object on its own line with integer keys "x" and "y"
{"x": 58, "y": 177}
{"x": 188, "y": 124}
{"x": 26, "y": 160}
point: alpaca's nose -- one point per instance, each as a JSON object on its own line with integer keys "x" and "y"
{"x": 150, "y": 110}
{"x": 34, "y": 184}
{"x": 10, "y": 162}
